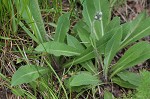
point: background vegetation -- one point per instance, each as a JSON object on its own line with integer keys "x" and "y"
{"x": 65, "y": 49}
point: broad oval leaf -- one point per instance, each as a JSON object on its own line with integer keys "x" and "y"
{"x": 57, "y": 49}
{"x": 84, "y": 78}
{"x": 27, "y": 73}
{"x": 62, "y": 27}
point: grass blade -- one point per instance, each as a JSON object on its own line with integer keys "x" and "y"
{"x": 30, "y": 12}
{"x": 35, "y": 10}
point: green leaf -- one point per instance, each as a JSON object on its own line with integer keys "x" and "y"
{"x": 89, "y": 67}
{"x": 86, "y": 55}
{"x": 139, "y": 29}
{"x": 4, "y": 38}
{"x": 123, "y": 83}
{"x": 104, "y": 7}
{"x": 111, "y": 49}
{"x": 108, "y": 95}
{"x": 130, "y": 77}
{"x": 134, "y": 55}
{"x": 84, "y": 36}
{"x": 115, "y": 22}
{"x": 130, "y": 27}
{"x": 62, "y": 27}
{"x": 83, "y": 32}
{"x": 101, "y": 44}
{"x": 84, "y": 78}
{"x": 38, "y": 20}
{"x": 97, "y": 29}
{"x": 18, "y": 91}
{"x": 28, "y": 32}
{"x": 57, "y": 49}
{"x": 19, "y": 60}
{"x": 72, "y": 41}
{"x": 89, "y": 53}
{"x": 30, "y": 12}
{"x": 143, "y": 90}
{"x": 74, "y": 88}
{"x": 27, "y": 73}
{"x": 90, "y": 10}
{"x": 81, "y": 25}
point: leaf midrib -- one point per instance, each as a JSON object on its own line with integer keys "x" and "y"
{"x": 28, "y": 74}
